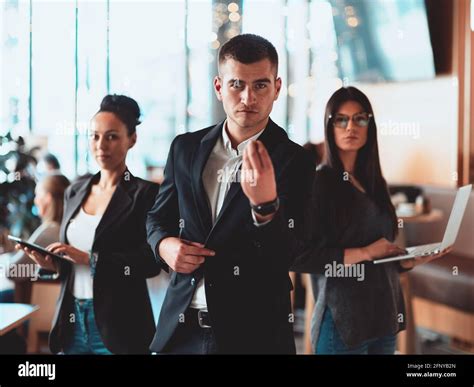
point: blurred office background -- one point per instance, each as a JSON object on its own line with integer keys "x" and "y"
{"x": 59, "y": 58}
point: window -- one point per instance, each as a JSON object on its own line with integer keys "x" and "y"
{"x": 162, "y": 53}
{"x": 157, "y": 52}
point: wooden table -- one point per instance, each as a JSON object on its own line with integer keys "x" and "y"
{"x": 13, "y": 315}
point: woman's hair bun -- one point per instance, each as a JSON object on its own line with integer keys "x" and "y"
{"x": 125, "y": 108}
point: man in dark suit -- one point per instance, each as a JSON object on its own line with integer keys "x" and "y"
{"x": 228, "y": 215}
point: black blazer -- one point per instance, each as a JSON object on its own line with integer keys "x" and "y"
{"x": 124, "y": 260}
{"x": 247, "y": 282}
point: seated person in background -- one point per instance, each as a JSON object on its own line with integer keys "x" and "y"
{"x": 49, "y": 195}
{"x": 47, "y": 165}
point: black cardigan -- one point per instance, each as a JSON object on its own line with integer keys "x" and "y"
{"x": 362, "y": 310}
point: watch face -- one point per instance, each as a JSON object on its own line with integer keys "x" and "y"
{"x": 267, "y": 208}
{"x": 264, "y": 210}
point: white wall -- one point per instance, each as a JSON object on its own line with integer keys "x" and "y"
{"x": 417, "y": 130}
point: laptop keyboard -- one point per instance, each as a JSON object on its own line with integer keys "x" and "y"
{"x": 425, "y": 249}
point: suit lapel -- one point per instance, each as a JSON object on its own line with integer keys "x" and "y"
{"x": 199, "y": 161}
{"x": 271, "y": 136}
{"x": 119, "y": 203}
{"x": 235, "y": 187}
{"x": 74, "y": 202}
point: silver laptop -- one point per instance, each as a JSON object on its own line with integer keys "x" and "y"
{"x": 450, "y": 234}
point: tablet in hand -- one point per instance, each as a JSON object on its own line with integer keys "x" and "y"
{"x": 34, "y": 247}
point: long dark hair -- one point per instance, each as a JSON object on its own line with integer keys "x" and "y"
{"x": 367, "y": 168}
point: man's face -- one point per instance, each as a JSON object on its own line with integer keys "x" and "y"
{"x": 247, "y": 92}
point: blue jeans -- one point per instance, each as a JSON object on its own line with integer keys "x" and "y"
{"x": 330, "y": 342}
{"x": 86, "y": 339}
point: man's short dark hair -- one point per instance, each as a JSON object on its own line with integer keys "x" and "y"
{"x": 248, "y": 48}
{"x": 52, "y": 160}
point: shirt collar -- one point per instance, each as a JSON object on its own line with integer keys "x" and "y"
{"x": 240, "y": 148}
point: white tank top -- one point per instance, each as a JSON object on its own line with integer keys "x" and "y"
{"x": 80, "y": 233}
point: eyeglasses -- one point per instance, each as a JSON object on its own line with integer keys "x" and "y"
{"x": 361, "y": 119}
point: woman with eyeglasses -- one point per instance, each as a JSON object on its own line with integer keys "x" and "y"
{"x": 359, "y": 308}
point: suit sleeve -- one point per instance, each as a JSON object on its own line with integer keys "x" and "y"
{"x": 163, "y": 219}
{"x": 140, "y": 260}
{"x": 318, "y": 248}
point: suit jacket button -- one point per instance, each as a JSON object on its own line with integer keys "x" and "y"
{"x": 193, "y": 281}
